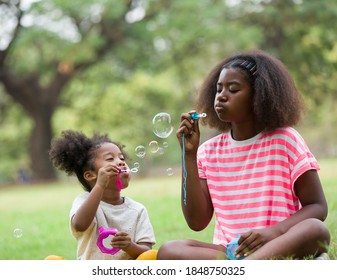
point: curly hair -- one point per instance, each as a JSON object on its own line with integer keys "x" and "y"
{"x": 276, "y": 101}
{"x": 74, "y": 153}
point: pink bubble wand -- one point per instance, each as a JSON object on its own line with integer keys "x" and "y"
{"x": 104, "y": 233}
{"x": 118, "y": 181}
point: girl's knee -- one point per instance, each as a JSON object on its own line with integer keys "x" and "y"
{"x": 167, "y": 250}
{"x": 172, "y": 250}
{"x": 318, "y": 231}
{"x": 322, "y": 231}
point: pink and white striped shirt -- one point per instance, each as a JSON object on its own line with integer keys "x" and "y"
{"x": 251, "y": 182}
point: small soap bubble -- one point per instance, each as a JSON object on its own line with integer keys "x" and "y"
{"x": 154, "y": 147}
{"x": 165, "y": 144}
{"x": 17, "y": 233}
{"x": 161, "y": 151}
{"x": 140, "y": 151}
{"x": 162, "y": 126}
{"x": 136, "y": 165}
{"x": 134, "y": 170}
{"x": 169, "y": 171}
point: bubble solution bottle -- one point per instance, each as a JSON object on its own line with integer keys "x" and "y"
{"x": 231, "y": 247}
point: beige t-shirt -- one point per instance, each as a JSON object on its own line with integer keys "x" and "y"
{"x": 131, "y": 217}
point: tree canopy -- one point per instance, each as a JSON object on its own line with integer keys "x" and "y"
{"x": 112, "y": 65}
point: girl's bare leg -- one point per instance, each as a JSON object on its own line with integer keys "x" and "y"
{"x": 309, "y": 237}
{"x": 190, "y": 250}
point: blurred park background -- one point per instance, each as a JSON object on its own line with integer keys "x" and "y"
{"x": 112, "y": 65}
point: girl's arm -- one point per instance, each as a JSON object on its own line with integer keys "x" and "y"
{"x": 197, "y": 208}
{"x": 86, "y": 213}
{"x": 122, "y": 240}
{"x": 309, "y": 190}
{"x": 135, "y": 249}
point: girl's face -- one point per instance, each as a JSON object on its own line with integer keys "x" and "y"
{"x": 110, "y": 154}
{"x": 233, "y": 100}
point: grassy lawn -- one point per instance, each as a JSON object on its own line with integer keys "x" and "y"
{"x": 40, "y": 212}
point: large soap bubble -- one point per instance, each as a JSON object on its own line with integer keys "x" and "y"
{"x": 162, "y": 126}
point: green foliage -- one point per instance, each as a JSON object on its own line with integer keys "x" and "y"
{"x": 13, "y": 141}
{"x": 158, "y": 53}
{"x": 125, "y": 111}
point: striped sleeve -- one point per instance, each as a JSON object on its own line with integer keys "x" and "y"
{"x": 300, "y": 157}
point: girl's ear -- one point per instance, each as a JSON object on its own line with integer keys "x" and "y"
{"x": 90, "y": 175}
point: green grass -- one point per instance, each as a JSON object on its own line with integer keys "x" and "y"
{"x": 41, "y": 213}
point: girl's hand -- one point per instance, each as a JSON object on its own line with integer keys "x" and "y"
{"x": 121, "y": 240}
{"x": 190, "y": 129}
{"x": 105, "y": 174}
{"x": 252, "y": 240}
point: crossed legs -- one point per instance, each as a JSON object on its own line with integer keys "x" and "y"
{"x": 308, "y": 238}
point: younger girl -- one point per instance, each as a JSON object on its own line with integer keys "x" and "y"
{"x": 257, "y": 176}
{"x": 98, "y": 164}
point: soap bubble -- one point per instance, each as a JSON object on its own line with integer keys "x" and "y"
{"x": 165, "y": 144}
{"x": 169, "y": 171}
{"x": 161, "y": 151}
{"x": 154, "y": 147}
{"x": 162, "y": 126}
{"x": 134, "y": 170}
{"x": 136, "y": 165}
{"x": 17, "y": 232}
{"x": 140, "y": 151}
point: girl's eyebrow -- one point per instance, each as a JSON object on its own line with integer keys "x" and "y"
{"x": 107, "y": 154}
{"x": 111, "y": 154}
{"x": 228, "y": 83}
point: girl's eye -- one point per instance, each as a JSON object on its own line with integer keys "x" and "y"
{"x": 233, "y": 89}
{"x": 110, "y": 159}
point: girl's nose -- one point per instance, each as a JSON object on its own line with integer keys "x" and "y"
{"x": 222, "y": 96}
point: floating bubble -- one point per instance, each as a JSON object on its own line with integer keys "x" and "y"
{"x": 169, "y": 171}
{"x": 165, "y": 144}
{"x": 134, "y": 170}
{"x": 140, "y": 151}
{"x": 17, "y": 233}
{"x": 136, "y": 165}
{"x": 162, "y": 126}
{"x": 154, "y": 147}
{"x": 161, "y": 151}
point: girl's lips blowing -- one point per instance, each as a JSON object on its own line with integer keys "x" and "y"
{"x": 124, "y": 172}
{"x": 219, "y": 107}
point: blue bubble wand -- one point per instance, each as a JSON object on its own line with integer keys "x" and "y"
{"x": 194, "y": 116}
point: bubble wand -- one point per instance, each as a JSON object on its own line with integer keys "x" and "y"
{"x": 194, "y": 116}
{"x": 105, "y": 233}
{"x": 119, "y": 183}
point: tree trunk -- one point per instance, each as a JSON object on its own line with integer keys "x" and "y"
{"x": 41, "y": 136}
{"x": 39, "y": 104}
